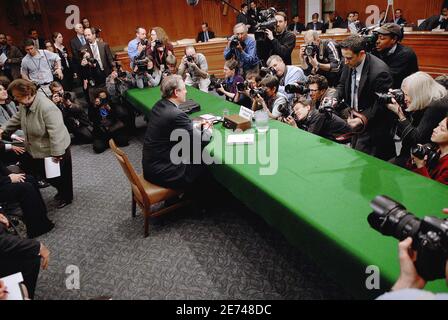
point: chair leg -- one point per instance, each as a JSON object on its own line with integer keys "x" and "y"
{"x": 134, "y": 207}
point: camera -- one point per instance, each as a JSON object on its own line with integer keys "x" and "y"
{"x": 91, "y": 60}
{"x": 430, "y": 235}
{"x": 216, "y": 83}
{"x": 386, "y": 98}
{"x": 370, "y": 37}
{"x": 142, "y": 65}
{"x": 190, "y": 59}
{"x": 234, "y": 42}
{"x": 242, "y": 86}
{"x": 327, "y": 107}
{"x": 258, "y": 91}
{"x": 311, "y": 50}
{"x": 286, "y": 110}
{"x": 103, "y": 102}
{"x": 144, "y": 42}
{"x": 297, "y": 88}
{"x": 428, "y": 150}
{"x": 120, "y": 72}
{"x": 267, "y": 72}
{"x": 267, "y": 22}
{"x": 158, "y": 44}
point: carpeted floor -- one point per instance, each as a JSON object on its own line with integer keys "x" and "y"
{"x": 228, "y": 253}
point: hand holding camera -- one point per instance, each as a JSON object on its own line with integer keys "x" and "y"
{"x": 269, "y": 34}
{"x": 290, "y": 121}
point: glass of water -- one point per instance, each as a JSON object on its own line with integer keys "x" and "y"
{"x": 225, "y": 113}
{"x": 262, "y": 121}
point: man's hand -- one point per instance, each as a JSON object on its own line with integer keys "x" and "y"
{"x": 409, "y": 278}
{"x": 419, "y": 163}
{"x": 17, "y": 178}
{"x": 18, "y": 150}
{"x": 114, "y": 75}
{"x": 3, "y": 291}
{"x": 140, "y": 48}
{"x": 56, "y": 98}
{"x": 355, "y": 123}
{"x": 57, "y": 159}
{"x": 44, "y": 254}
{"x": 396, "y": 108}
{"x": 4, "y": 221}
{"x": 60, "y": 74}
{"x": 313, "y": 61}
{"x": 239, "y": 47}
{"x": 269, "y": 34}
{"x": 302, "y": 51}
{"x": 290, "y": 120}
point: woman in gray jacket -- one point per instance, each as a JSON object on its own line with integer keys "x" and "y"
{"x": 45, "y": 134}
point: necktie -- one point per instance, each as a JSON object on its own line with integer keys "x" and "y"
{"x": 83, "y": 41}
{"x": 206, "y": 37}
{"x": 354, "y": 104}
{"x": 315, "y": 27}
{"x": 96, "y": 55}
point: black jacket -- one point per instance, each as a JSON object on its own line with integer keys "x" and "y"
{"x": 13, "y": 247}
{"x": 300, "y": 27}
{"x": 164, "y": 119}
{"x": 201, "y": 36}
{"x": 402, "y": 63}
{"x": 432, "y": 23}
{"x": 327, "y": 126}
{"x": 282, "y": 45}
{"x": 377, "y": 140}
{"x": 319, "y": 26}
{"x": 242, "y": 18}
{"x": 106, "y": 56}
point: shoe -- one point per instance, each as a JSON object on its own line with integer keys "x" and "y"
{"x": 42, "y": 184}
{"x": 63, "y": 203}
{"x": 39, "y": 233}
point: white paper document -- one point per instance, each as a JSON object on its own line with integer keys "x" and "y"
{"x": 208, "y": 117}
{"x": 241, "y": 139}
{"x": 12, "y": 284}
{"x": 52, "y": 169}
{"x": 3, "y": 58}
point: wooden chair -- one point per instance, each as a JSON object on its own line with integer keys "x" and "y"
{"x": 145, "y": 193}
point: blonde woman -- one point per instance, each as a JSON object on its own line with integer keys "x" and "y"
{"x": 426, "y": 104}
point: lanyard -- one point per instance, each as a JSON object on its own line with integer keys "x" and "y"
{"x": 35, "y": 64}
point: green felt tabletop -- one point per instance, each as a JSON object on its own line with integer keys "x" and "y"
{"x": 319, "y": 197}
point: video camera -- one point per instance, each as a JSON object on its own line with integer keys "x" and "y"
{"x": 297, "y": 88}
{"x": 430, "y": 235}
{"x": 370, "y": 37}
{"x": 386, "y": 98}
{"x": 267, "y": 22}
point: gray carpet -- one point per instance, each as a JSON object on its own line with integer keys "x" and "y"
{"x": 228, "y": 253}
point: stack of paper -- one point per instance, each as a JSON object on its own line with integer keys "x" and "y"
{"x": 241, "y": 139}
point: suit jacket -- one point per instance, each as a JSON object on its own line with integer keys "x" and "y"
{"x": 76, "y": 46}
{"x": 300, "y": 27}
{"x": 319, "y": 26}
{"x": 242, "y": 18}
{"x": 13, "y": 247}
{"x": 201, "y": 36}
{"x": 377, "y": 140}
{"x": 164, "y": 119}
{"x": 432, "y": 23}
{"x": 399, "y": 22}
{"x": 106, "y": 56}
{"x": 14, "y": 62}
{"x": 402, "y": 63}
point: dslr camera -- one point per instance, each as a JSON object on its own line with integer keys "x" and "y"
{"x": 386, "y": 98}
{"x": 311, "y": 50}
{"x": 430, "y": 235}
{"x": 242, "y": 86}
{"x": 234, "y": 42}
{"x": 216, "y": 83}
{"x": 158, "y": 44}
{"x": 267, "y": 22}
{"x": 286, "y": 110}
{"x": 142, "y": 65}
{"x": 258, "y": 91}
{"x": 144, "y": 42}
{"x": 297, "y": 88}
{"x": 267, "y": 72}
{"x": 428, "y": 150}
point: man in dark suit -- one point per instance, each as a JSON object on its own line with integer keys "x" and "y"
{"x": 316, "y": 25}
{"x": 21, "y": 255}
{"x": 205, "y": 35}
{"x": 39, "y": 43}
{"x": 398, "y": 18}
{"x": 243, "y": 16}
{"x": 254, "y": 16}
{"x": 363, "y": 76}
{"x": 401, "y": 60}
{"x": 296, "y": 26}
{"x": 76, "y": 44}
{"x": 11, "y": 67}
{"x": 100, "y": 51}
{"x": 435, "y": 22}
{"x": 166, "y": 120}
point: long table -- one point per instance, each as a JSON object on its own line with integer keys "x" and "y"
{"x": 319, "y": 197}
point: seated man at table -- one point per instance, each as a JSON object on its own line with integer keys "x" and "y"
{"x": 168, "y": 129}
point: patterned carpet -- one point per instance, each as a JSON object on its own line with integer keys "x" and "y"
{"x": 228, "y": 253}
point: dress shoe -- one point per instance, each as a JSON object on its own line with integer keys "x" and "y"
{"x": 42, "y": 184}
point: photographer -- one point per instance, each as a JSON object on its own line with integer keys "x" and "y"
{"x": 194, "y": 69}
{"x": 146, "y": 74}
{"x": 268, "y": 98}
{"x": 425, "y": 105}
{"x": 109, "y": 123}
{"x": 402, "y": 60}
{"x": 119, "y": 82}
{"x": 281, "y": 43}
{"x": 137, "y": 47}
{"x": 286, "y": 74}
{"x": 243, "y": 49}
{"x": 243, "y": 96}
{"x": 321, "y": 57}
{"x": 319, "y": 90}
{"x": 229, "y": 87}
{"x": 434, "y": 166}
{"x": 325, "y": 124}
{"x": 160, "y": 48}
{"x": 75, "y": 119}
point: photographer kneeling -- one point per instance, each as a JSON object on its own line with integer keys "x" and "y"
{"x": 109, "y": 124}
{"x": 75, "y": 118}
{"x": 146, "y": 74}
{"x": 323, "y": 123}
{"x": 194, "y": 69}
{"x": 268, "y": 98}
{"x": 420, "y": 107}
{"x": 431, "y": 161}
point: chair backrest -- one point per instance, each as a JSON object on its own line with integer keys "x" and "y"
{"x": 130, "y": 173}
